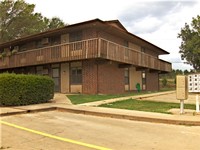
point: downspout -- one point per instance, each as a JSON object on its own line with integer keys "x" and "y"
{"x": 97, "y": 78}
{"x": 158, "y": 82}
{"x": 99, "y": 55}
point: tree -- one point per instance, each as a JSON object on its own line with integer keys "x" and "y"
{"x": 55, "y": 23}
{"x": 190, "y": 45}
{"x": 17, "y": 19}
{"x": 179, "y": 72}
{"x": 186, "y": 72}
{"x": 164, "y": 82}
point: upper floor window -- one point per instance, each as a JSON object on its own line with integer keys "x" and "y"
{"x": 125, "y": 43}
{"x": 126, "y": 49}
{"x": 38, "y": 43}
{"x": 143, "y": 49}
{"x": 23, "y": 47}
{"x": 75, "y": 36}
{"x": 55, "y": 40}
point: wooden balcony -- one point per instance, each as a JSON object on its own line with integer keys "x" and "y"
{"x": 86, "y": 49}
{"x": 116, "y": 52}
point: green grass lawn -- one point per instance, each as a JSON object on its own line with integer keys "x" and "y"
{"x": 149, "y": 106}
{"x": 83, "y": 98}
{"x": 79, "y": 99}
{"x": 163, "y": 89}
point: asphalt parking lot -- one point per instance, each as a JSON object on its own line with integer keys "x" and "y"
{"x": 54, "y": 130}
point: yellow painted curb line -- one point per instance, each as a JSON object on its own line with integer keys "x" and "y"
{"x": 54, "y": 137}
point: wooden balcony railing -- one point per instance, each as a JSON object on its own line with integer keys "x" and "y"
{"x": 116, "y": 52}
{"x": 86, "y": 49}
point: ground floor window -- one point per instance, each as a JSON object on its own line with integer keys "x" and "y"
{"x": 39, "y": 70}
{"x": 76, "y": 75}
{"x": 56, "y": 76}
{"x": 126, "y": 76}
{"x": 42, "y": 70}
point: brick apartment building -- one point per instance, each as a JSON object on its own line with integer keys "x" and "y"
{"x": 90, "y": 57}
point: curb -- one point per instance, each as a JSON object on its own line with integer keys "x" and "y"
{"x": 106, "y": 114}
{"x": 13, "y": 113}
{"x": 131, "y": 117}
{"x": 25, "y": 111}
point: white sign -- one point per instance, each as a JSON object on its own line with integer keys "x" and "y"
{"x": 194, "y": 83}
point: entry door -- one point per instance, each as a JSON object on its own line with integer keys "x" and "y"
{"x": 56, "y": 78}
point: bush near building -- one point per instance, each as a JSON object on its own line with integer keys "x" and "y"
{"x": 164, "y": 82}
{"x": 20, "y": 89}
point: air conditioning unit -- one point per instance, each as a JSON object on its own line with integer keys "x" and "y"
{"x": 45, "y": 40}
{"x": 16, "y": 48}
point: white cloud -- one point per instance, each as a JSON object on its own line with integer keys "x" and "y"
{"x": 146, "y": 25}
{"x": 73, "y": 11}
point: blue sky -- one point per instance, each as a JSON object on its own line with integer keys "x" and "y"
{"x": 157, "y": 21}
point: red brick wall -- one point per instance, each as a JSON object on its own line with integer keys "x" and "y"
{"x": 89, "y": 77}
{"x": 110, "y": 78}
{"x": 102, "y": 78}
{"x": 152, "y": 81}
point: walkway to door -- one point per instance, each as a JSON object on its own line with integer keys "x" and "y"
{"x": 61, "y": 99}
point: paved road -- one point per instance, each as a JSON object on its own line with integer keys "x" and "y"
{"x": 98, "y": 131}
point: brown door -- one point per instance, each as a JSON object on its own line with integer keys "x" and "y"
{"x": 56, "y": 78}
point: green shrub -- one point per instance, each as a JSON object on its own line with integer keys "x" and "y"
{"x": 164, "y": 82}
{"x": 25, "y": 89}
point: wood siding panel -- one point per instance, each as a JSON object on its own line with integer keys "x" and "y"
{"x": 110, "y": 37}
{"x": 134, "y": 46}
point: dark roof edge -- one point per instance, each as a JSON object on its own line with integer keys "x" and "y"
{"x": 117, "y": 22}
{"x": 165, "y": 61}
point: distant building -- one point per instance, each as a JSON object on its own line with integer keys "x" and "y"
{"x": 90, "y": 57}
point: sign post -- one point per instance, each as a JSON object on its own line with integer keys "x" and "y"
{"x": 197, "y": 103}
{"x": 181, "y": 90}
{"x": 181, "y": 106}
{"x": 194, "y": 87}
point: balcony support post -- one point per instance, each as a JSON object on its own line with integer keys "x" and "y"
{"x": 86, "y": 53}
{"x": 99, "y": 47}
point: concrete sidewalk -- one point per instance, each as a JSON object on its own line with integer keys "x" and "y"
{"x": 61, "y": 99}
